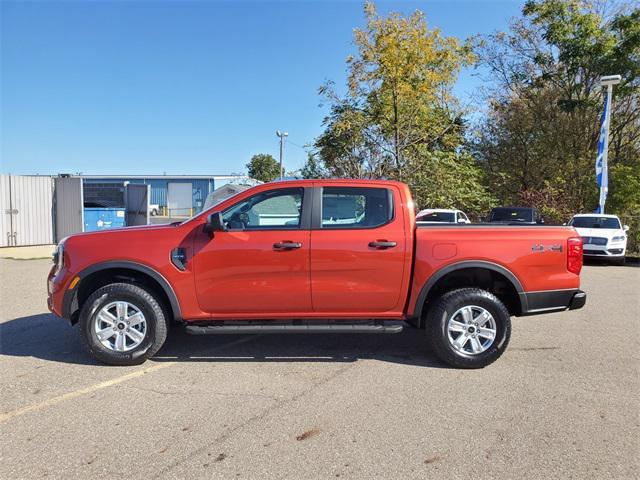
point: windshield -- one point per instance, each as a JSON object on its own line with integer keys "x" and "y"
{"x": 511, "y": 215}
{"x": 595, "y": 222}
{"x": 437, "y": 217}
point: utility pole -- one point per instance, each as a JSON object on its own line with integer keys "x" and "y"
{"x": 602, "y": 168}
{"x": 282, "y": 136}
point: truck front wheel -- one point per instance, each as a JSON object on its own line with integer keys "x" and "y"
{"x": 122, "y": 324}
{"x": 468, "y": 328}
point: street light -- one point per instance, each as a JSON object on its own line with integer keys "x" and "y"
{"x": 282, "y": 136}
{"x": 602, "y": 169}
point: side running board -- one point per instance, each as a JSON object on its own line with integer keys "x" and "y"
{"x": 251, "y": 327}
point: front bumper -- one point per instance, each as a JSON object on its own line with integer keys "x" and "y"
{"x": 613, "y": 250}
{"x": 57, "y": 290}
{"x": 549, "y": 301}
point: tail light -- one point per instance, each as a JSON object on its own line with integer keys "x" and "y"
{"x": 574, "y": 255}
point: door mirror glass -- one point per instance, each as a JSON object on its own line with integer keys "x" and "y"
{"x": 215, "y": 223}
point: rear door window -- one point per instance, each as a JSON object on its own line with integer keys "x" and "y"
{"x": 356, "y": 207}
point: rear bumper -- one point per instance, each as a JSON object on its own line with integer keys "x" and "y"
{"x": 578, "y": 301}
{"x": 548, "y": 301}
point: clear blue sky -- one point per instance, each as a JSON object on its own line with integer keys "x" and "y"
{"x": 182, "y": 87}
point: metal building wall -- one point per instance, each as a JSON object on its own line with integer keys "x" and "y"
{"x": 200, "y": 192}
{"x": 69, "y": 206}
{"x": 158, "y": 192}
{"x": 6, "y": 231}
{"x": 159, "y": 187}
{"x": 137, "y": 204}
{"x": 26, "y": 206}
{"x": 32, "y": 197}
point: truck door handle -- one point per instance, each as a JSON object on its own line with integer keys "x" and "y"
{"x": 287, "y": 245}
{"x": 382, "y": 244}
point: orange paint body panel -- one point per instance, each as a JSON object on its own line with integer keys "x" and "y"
{"x": 338, "y": 272}
{"x": 349, "y": 278}
{"x": 507, "y": 246}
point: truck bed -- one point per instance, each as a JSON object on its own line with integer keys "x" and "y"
{"x": 532, "y": 257}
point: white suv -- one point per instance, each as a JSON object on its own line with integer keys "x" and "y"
{"x": 441, "y": 215}
{"x": 603, "y": 236}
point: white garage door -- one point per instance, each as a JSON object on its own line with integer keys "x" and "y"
{"x": 179, "y": 199}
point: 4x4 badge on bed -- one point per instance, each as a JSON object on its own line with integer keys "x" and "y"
{"x": 540, "y": 248}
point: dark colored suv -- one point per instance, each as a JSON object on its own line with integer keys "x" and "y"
{"x": 515, "y": 215}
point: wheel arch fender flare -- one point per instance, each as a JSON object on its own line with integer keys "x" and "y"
{"x": 70, "y": 299}
{"x": 439, "y": 274}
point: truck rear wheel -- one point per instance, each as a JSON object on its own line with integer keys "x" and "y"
{"x": 468, "y": 328}
{"x": 122, "y": 324}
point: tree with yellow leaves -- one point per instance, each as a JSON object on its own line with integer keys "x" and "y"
{"x": 399, "y": 118}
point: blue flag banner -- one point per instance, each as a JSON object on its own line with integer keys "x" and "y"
{"x": 602, "y": 174}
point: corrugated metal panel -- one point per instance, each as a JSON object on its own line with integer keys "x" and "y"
{"x": 6, "y": 231}
{"x": 158, "y": 192}
{"x": 200, "y": 192}
{"x": 69, "y": 208}
{"x": 137, "y": 204}
{"x": 32, "y": 202}
{"x": 26, "y": 204}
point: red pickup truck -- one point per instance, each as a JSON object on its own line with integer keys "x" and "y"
{"x": 314, "y": 256}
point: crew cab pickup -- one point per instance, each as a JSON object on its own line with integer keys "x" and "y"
{"x": 308, "y": 256}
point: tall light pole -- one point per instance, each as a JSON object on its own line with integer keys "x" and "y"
{"x": 602, "y": 168}
{"x": 282, "y": 136}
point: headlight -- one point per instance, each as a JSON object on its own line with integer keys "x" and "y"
{"x": 617, "y": 239}
{"x": 58, "y": 256}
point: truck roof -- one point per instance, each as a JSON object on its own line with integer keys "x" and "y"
{"x": 601, "y": 215}
{"x": 336, "y": 180}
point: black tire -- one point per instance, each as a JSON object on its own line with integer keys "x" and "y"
{"x": 156, "y": 323}
{"x": 442, "y": 310}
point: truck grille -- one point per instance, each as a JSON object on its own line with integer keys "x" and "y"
{"x": 594, "y": 240}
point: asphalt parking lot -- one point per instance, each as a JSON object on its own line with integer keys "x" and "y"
{"x": 563, "y": 402}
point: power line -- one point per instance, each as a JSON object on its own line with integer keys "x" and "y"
{"x": 299, "y": 146}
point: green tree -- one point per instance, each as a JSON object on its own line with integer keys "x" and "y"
{"x": 399, "y": 118}
{"x": 538, "y": 142}
{"x": 263, "y": 167}
{"x": 313, "y": 168}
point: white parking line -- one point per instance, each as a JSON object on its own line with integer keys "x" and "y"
{"x": 108, "y": 383}
{"x": 83, "y": 391}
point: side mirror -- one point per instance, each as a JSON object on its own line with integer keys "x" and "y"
{"x": 214, "y": 223}
{"x": 461, "y": 220}
{"x": 625, "y": 228}
{"x": 540, "y": 221}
